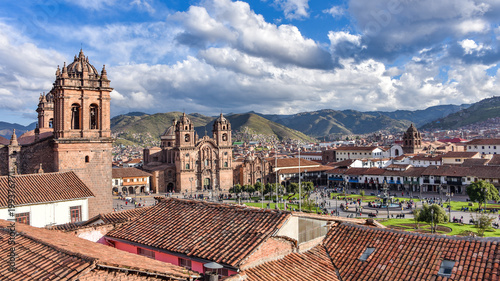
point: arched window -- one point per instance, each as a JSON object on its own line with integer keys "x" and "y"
{"x": 187, "y": 166}
{"x": 224, "y": 137}
{"x": 186, "y": 138}
{"x": 396, "y": 152}
{"x": 75, "y": 116}
{"x": 94, "y": 117}
{"x": 51, "y": 123}
{"x": 225, "y": 164}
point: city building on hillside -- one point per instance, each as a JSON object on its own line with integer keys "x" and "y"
{"x": 134, "y": 163}
{"x": 457, "y": 158}
{"x": 311, "y": 156}
{"x": 47, "y": 199}
{"x": 186, "y": 161}
{"x": 358, "y": 152}
{"x": 484, "y": 146}
{"x": 130, "y": 180}
{"x": 73, "y": 132}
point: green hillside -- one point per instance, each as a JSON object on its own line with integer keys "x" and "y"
{"x": 325, "y": 122}
{"x": 260, "y": 125}
{"x": 478, "y": 112}
{"x": 146, "y": 129}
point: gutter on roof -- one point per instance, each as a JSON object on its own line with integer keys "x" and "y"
{"x": 48, "y": 202}
{"x": 146, "y": 272}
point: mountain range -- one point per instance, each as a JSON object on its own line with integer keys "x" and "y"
{"x": 139, "y": 127}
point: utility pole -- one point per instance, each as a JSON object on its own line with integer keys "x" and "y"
{"x": 300, "y": 187}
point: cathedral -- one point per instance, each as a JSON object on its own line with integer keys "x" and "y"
{"x": 73, "y": 133}
{"x": 187, "y": 163}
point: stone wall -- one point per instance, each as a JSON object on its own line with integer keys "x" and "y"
{"x": 91, "y": 161}
{"x": 37, "y": 153}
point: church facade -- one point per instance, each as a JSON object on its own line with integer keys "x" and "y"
{"x": 187, "y": 163}
{"x": 73, "y": 133}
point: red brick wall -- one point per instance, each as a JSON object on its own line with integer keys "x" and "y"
{"x": 272, "y": 249}
{"x": 96, "y": 174}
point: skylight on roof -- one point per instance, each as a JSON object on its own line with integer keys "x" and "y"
{"x": 366, "y": 254}
{"x": 446, "y": 268}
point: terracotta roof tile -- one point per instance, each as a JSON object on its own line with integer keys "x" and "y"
{"x": 409, "y": 256}
{"x": 49, "y": 187}
{"x": 292, "y": 162}
{"x": 128, "y": 172}
{"x": 484, "y": 142}
{"x": 59, "y": 256}
{"x": 223, "y": 233}
{"x": 108, "y": 218}
{"x": 314, "y": 264}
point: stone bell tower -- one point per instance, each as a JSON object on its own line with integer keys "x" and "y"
{"x": 82, "y": 131}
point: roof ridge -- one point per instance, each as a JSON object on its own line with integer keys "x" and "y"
{"x": 59, "y": 249}
{"x": 226, "y": 205}
{"x": 40, "y": 174}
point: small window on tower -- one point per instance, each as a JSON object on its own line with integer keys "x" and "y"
{"x": 224, "y": 137}
{"x": 186, "y": 138}
{"x": 87, "y": 159}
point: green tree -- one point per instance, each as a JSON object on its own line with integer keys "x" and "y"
{"x": 236, "y": 189}
{"x": 268, "y": 188}
{"x": 416, "y": 214}
{"x": 362, "y": 193}
{"x": 308, "y": 204}
{"x": 292, "y": 188}
{"x": 433, "y": 214}
{"x": 307, "y": 187}
{"x": 259, "y": 187}
{"x": 250, "y": 189}
{"x": 481, "y": 192}
{"x": 483, "y": 223}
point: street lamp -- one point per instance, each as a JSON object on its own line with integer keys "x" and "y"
{"x": 449, "y": 204}
{"x": 385, "y": 189}
{"x": 276, "y": 164}
{"x": 300, "y": 186}
{"x": 191, "y": 180}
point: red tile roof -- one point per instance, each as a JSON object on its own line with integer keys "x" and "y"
{"x": 495, "y": 160}
{"x": 357, "y": 148}
{"x": 460, "y": 154}
{"x": 128, "y": 173}
{"x": 409, "y": 256}
{"x": 223, "y": 233}
{"x": 311, "y": 265}
{"x": 109, "y": 218}
{"x": 49, "y": 187}
{"x": 292, "y": 162}
{"x": 484, "y": 142}
{"x": 48, "y": 255}
{"x": 4, "y": 141}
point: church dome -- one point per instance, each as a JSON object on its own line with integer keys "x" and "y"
{"x": 170, "y": 131}
{"x": 412, "y": 129}
{"x": 81, "y": 64}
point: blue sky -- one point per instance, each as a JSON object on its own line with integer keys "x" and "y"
{"x": 269, "y": 56}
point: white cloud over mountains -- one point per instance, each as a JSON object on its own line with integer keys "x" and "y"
{"x": 221, "y": 55}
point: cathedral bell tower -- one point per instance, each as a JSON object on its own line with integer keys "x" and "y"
{"x": 45, "y": 110}
{"x": 82, "y": 134}
{"x": 412, "y": 140}
{"x": 184, "y": 133}
{"x": 81, "y": 101}
{"x": 222, "y": 131}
